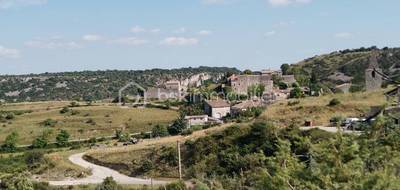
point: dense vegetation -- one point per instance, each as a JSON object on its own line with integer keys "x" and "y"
{"x": 323, "y": 69}
{"x": 90, "y": 85}
{"x": 264, "y": 157}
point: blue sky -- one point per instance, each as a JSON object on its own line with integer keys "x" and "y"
{"x": 72, "y": 35}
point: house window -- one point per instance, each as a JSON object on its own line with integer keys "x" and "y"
{"x": 373, "y": 74}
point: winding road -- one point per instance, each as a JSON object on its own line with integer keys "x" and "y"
{"x": 99, "y": 173}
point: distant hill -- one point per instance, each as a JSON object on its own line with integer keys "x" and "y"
{"x": 90, "y": 85}
{"x": 346, "y": 66}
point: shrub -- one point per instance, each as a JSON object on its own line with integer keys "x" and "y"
{"x": 34, "y": 158}
{"x": 10, "y": 144}
{"x": 49, "y": 123}
{"x": 179, "y": 185}
{"x": 147, "y": 165}
{"x": 334, "y": 102}
{"x": 64, "y": 110}
{"x": 108, "y": 184}
{"x": 10, "y": 116}
{"x": 177, "y": 127}
{"x": 296, "y": 93}
{"x": 62, "y": 138}
{"x": 187, "y": 132}
{"x": 292, "y": 103}
{"x": 160, "y": 131}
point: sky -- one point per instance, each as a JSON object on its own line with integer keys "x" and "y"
{"x": 39, "y": 36}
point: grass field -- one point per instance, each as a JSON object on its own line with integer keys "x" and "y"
{"x": 97, "y": 120}
{"x": 317, "y": 110}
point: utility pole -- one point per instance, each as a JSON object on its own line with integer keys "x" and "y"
{"x": 179, "y": 159}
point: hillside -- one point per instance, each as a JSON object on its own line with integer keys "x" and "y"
{"x": 346, "y": 66}
{"x": 90, "y": 85}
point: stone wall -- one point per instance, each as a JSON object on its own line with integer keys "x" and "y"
{"x": 241, "y": 83}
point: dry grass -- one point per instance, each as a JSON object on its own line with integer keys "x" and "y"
{"x": 317, "y": 109}
{"x": 63, "y": 168}
{"x": 107, "y": 119}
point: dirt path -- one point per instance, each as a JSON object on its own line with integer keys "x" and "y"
{"x": 99, "y": 173}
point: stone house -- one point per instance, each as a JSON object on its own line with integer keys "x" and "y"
{"x": 241, "y": 83}
{"x": 217, "y": 108}
{"x": 245, "y": 105}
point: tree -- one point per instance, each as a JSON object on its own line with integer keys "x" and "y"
{"x": 10, "y": 144}
{"x": 160, "y": 131}
{"x": 247, "y": 72}
{"x": 256, "y": 90}
{"x": 108, "y": 184}
{"x": 296, "y": 93}
{"x": 62, "y": 138}
{"x": 42, "y": 140}
{"x": 285, "y": 69}
{"x": 178, "y": 126}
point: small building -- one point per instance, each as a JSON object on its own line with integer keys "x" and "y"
{"x": 217, "y": 108}
{"x": 245, "y": 105}
{"x": 196, "y": 120}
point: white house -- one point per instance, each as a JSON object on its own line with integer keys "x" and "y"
{"x": 196, "y": 120}
{"x": 217, "y": 108}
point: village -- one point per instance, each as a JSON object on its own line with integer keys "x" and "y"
{"x": 232, "y": 96}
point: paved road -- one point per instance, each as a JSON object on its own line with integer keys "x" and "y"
{"x": 99, "y": 173}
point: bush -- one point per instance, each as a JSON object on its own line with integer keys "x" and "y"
{"x": 296, "y": 93}
{"x": 34, "y": 158}
{"x": 292, "y": 103}
{"x": 160, "y": 131}
{"x": 49, "y": 123}
{"x": 334, "y": 102}
{"x": 147, "y": 165}
{"x": 179, "y": 185}
{"x": 64, "y": 110}
{"x": 187, "y": 132}
{"x": 10, "y": 144}
{"x": 177, "y": 127}
{"x": 108, "y": 184}
{"x": 62, "y": 138}
{"x": 10, "y": 116}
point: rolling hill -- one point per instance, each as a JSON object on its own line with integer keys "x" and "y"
{"x": 346, "y": 66}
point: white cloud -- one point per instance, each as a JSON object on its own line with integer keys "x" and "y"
{"x": 7, "y": 4}
{"x": 180, "y": 30}
{"x": 179, "y": 41}
{"x": 343, "y": 35}
{"x": 270, "y": 33}
{"x": 155, "y": 30}
{"x": 133, "y": 41}
{"x": 8, "y": 52}
{"x": 205, "y": 32}
{"x": 54, "y": 43}
{"x": 92, "y": 37}
{"x": 137, "y": 29}
{"x": 287, "y": 2}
